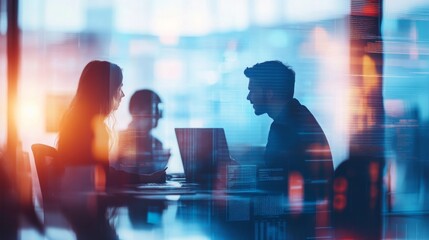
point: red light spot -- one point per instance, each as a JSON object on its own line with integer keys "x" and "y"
{"x": 340, "y": 185}
{"x": 373, "y": 191}
{"x": 370, "y": 10}
{"x": 296, "y": 191}
{"x": 340, "y": 202}
{"x": 373, "y": 171}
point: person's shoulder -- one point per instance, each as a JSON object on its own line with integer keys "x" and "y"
{"x": 300, "y": 112}
{"x": 127, "y": 133}
{"x": 158, "y": 143}
{"x": 298, "y": 107}
{"x": 304, "y": 117}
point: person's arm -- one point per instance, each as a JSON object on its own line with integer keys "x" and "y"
{"x": 119, "y": 177}
{"x": 155, "y": 177}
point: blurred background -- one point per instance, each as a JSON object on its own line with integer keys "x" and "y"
{"x": 193, "y": 53}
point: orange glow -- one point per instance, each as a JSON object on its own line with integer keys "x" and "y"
{"x": 371, "y": 83}
{"x": 296, "y": 192}
{"x": 55, "y": 104}
{"x": 356, "y": 110}
{"x": 363, "y": 114}
{"x": 318, "y": 150}
{"x": 100, "y": 144}
{"x": 370, "y": 76}
{"x": 100, "y": 178}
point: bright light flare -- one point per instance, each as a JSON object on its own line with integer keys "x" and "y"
{"x": 29, "y": 115}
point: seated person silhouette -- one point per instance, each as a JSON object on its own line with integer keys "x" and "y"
{"x": 139, "y": 150}
{"x": 84, "y": 137}
{"x": 297, "y": 146}
{"x": 84, "y": 151}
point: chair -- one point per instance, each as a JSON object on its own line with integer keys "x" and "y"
{"x": 357, "y": 198}
{"x": 48, "y": 171}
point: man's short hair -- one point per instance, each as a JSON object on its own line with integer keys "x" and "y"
{"x": 273, "y": 75}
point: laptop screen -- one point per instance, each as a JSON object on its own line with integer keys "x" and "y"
{"x": 201, "y": 149}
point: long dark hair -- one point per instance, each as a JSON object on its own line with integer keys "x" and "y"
{"x": 98, "y": 84}
{"x": 94, "y": 99}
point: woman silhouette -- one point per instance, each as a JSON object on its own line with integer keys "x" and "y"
{"x": 84, "y": 137}
{"x": 84, "y": 143}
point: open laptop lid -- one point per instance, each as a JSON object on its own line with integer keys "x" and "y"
{"x": 201, "y": 149}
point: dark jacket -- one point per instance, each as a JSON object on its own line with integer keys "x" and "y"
{"x": 296, "y": 142}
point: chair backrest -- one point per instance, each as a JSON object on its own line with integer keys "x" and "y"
{"x": 48, "y": 169}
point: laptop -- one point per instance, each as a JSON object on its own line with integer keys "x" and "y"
{"x": 201, "y": 149}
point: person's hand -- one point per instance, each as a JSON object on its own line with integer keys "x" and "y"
{"x": 158, "y": 176}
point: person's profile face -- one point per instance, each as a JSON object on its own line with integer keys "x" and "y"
{"x": 117, "y": 98}
{"x": 256, "y": 96}
{"x": 147, "y": 119}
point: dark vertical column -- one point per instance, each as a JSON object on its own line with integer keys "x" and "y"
{"x": 366, "y": 68}
{"x": 358, "y": 189}
{"x": 13, "y": 45}
{"x": 10, "y": 208}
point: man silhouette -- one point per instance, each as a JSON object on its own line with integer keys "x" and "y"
{"x": 296, "y": 143}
